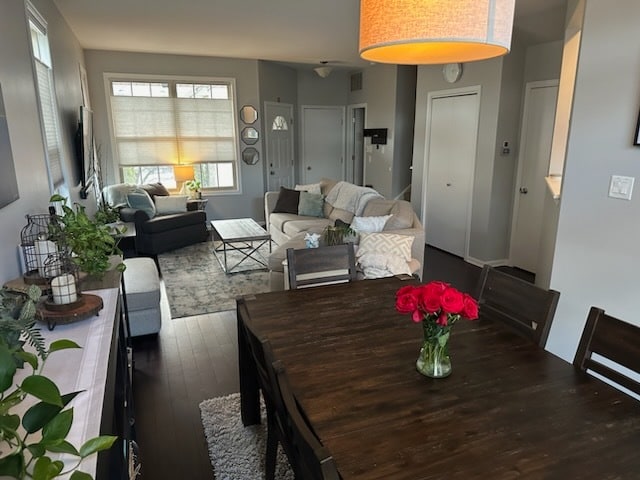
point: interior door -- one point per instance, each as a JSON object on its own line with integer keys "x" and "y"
{"x": 279, "y": 144}
{"x": 452, "y": 130}
{"x": 533, "y": 167}
{"x": 323, "y": 143}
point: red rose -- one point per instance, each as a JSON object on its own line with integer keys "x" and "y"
{"x": 452, "y": 301}
{"x": 470, "y": 309}
{"x": 407, "y": 299}
{"x": 443, "y": 319}
{"x": 435, "y": 288}
{"x": 430, "y": 301}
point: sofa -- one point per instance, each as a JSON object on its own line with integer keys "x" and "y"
{"x": 162, "y": 221}
{"x": 289, "y": 230}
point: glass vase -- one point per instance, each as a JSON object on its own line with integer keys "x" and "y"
{"x": 434, "y": 358}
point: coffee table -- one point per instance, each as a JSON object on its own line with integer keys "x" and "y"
{"x": 242, "y": 235}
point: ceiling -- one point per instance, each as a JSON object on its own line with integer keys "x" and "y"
{"x": 290, "y": 31}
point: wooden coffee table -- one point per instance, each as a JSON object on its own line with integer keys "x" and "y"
{"x": 242, "y": 235}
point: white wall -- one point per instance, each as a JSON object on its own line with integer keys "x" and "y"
{"x": 596, "y": 254}
{"x": 17, "y": 79}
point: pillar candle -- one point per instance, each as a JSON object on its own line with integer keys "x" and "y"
{"x": 63, "y": 289}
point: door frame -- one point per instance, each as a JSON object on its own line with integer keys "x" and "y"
{"x": 341, "y": 108}
{"x": 350, "y": 144}
{"x": 454, "y": 92}
{"x": 267, "y": 129}
{"x": 523, "y": 130}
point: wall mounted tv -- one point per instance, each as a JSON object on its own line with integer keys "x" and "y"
{"x": 84, "y": 149}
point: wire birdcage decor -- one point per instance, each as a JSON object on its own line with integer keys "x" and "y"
{"x": 48, "y": 259}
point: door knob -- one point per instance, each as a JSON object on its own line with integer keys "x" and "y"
{"x": 448, "y": 184}
{"x": 272, "y": 172}
{"x": 308, "y": 168}
{"x": 524, "y": 190}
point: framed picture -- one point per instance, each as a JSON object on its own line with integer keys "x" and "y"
{"x": 636, "y": 137}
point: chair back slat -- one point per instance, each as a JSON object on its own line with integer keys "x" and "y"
{"x": 523, "y": 306}
{"x": 311, "y": 460}
{"x": 613, "y": 339}
{"x": 322, "y": 265}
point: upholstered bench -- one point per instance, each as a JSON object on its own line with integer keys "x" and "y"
{"x": 142, "y": 290}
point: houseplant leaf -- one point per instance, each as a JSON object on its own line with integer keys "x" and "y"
{"x": 97, "y": 444}
{"x": 43, "y": 388}
{"x": 62, "y": 345}
{"x": 57, "y": 429}
{"x": 42, "y": 413}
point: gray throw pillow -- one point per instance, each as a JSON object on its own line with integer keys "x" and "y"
{"x": 311, "y": 204}
{"x": 140, "y": 200}
{"x": 287, "y": 201}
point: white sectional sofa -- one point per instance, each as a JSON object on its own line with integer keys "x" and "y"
{"x": 288, "y": 230}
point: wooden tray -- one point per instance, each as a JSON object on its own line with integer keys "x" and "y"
{"x": 87, "y": 306}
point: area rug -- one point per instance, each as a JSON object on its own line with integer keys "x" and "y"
{"x": 237, "y": 452}
{"x": 196, "y": 284}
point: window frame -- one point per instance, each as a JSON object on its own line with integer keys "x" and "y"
{"x": 173, "y": 80}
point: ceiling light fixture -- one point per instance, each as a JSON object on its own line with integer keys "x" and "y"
{"x": 323, "y": 72}
{"x": 421, "y": 32}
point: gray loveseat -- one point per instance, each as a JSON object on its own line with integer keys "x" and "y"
{"x": 288, "y": 230}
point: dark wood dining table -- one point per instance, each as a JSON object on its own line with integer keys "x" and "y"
{"x": 509, "y": 409}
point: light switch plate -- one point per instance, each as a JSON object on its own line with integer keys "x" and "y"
{"x": 621, "y": 187}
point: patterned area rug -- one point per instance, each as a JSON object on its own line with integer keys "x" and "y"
{"x": 196, "y": 284}
{"x": 237, "y": 452}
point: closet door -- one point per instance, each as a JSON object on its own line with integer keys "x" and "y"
{"x": 452, "y": 129}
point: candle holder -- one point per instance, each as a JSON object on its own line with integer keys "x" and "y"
{"x": 41, "y": 253}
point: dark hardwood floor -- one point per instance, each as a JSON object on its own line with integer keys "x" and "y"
{"x": 195, "y": 358}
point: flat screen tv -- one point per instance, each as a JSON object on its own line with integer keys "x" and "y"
{"x": 84, "y": 149}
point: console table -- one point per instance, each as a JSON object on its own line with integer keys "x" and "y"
{"x": 100, "y": 370}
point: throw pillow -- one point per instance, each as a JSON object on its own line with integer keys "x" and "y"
{"x": 155, "y": 190}
{"x": 388, "y": 243}
{"x": 287, "y": 201}
{"x": 369, "y": 224}
{"x": 310, "y": 187}
{"x": 311, "y": 205}
{"x": 140, "y": 200}
{"x": 171, "y": 204}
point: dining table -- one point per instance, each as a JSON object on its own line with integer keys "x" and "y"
{"x": 509, "y": 409}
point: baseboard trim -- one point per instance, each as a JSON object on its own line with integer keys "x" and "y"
{"x": 481, "y": 263}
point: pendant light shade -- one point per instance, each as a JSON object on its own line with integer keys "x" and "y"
{"x": 418, "y": 32}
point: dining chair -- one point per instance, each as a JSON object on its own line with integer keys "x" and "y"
{"x": 263, "y": 358}
{"x": 311, "y": 460}
{"x": 321, "y": 266}
{"x": 521, "y": 305}
{"x": 613, "y": 340}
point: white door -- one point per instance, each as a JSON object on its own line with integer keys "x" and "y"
{"x": 533, "y": 167}
{"x": 452, "y": 130}
{"x": 323, "y": 143}
{"x": 279, "y": 143}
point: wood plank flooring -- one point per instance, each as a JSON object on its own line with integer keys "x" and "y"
{"x": 195, "y": 358}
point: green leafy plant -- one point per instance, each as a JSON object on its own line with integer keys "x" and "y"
{"x": 28, "y": 440}
{"x": 91, "y": 243}
{"x": 193, "y": 185}
{"x": 335, "y": 235}
{"x": 106, "y": 214}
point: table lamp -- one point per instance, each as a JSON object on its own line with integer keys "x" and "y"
{"x": 182, "y": 174}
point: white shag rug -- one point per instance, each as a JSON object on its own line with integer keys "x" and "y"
{"x": 237, "y": 452}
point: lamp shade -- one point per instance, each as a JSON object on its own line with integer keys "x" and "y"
{"x": 420, "y": 32}
{"x": 183, "y": 173}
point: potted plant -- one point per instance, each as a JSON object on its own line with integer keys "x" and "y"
{"x": 91, "y": 243}
{"x": 194, "y": 189}
{"x": 27, "y": 440}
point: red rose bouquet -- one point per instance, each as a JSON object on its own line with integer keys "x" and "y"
{"x": 438, "y": 306}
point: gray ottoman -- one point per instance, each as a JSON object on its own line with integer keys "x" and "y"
{"x": 142, "y": 289}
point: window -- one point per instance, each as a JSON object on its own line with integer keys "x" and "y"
{"x": 160, "y": 123}
{"x": 47, "y": 98}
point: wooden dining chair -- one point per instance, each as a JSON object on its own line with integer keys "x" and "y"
{"x": 517, "y": 303}
{"x": 276, "y": 432}
{"x": 613, "y": 340}
{"x": 321, "y": 266}
{"x": 311, "y": 460}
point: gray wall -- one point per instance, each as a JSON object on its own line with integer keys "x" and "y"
{"x": 18, "y": 86}
{"x": 596, "y": 254}
{"x": 249, "y": 202}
